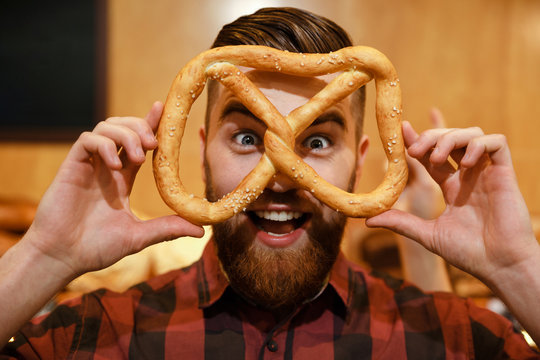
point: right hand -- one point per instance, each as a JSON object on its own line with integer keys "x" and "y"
{"x": 84, "y": 220}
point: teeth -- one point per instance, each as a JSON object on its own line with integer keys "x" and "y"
{"x": 278, "y": 215}
{"x": 277, "y": 235}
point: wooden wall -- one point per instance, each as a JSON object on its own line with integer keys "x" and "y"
{"x": 478, "y": 61}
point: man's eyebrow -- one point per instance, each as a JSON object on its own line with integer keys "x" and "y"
{"x": 237, "y": 106}
{"x": 331, "y": 116}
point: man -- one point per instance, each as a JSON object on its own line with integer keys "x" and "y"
{"x": 280, "y": 288}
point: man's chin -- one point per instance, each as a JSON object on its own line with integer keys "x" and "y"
{"x": 277, "y": 271}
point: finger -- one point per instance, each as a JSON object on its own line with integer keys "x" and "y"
{"x": 165, "y": 228}
{"x": 138, "y": 126}
{"x": 88, "y": 145}
{"x": 409, "y": 134}
{"x": 453, "y": 142}
{"x": 406, "y": 224}
{"x": 124, "y": 138}
{"x": 437, "y": 172}
{"x": 437, "y": 118}
{"x": 425, "y": 142}
{"x": 154, "y": 115}
{"x": 495, "y": 145}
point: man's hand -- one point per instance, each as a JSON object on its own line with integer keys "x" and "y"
{"x": 485, "y": 228}
{"x": 84, "y": 221}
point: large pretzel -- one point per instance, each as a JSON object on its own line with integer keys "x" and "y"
{"x": 357, "y": 66}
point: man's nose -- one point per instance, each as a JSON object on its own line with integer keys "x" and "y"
{"x": 281, "y": 183}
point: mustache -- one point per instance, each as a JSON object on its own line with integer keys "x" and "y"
{"x": 293, "y": 197}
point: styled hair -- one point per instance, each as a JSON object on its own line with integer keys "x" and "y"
{"x": 291, "y": 29}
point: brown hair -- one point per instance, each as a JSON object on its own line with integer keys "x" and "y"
{"x": 290, "y": 29}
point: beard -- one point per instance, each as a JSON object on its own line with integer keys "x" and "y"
{"x": 278, "y": 279}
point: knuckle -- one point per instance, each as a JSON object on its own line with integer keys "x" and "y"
{"x": 84, "y": 136}
{"x": 100, "y": 125}
{"x": 501, "y": 138}
{"x": 477, "y": 130}
{"x": 112, "y": 119}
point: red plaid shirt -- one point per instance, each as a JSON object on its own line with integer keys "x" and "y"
{"x": 192, "y": 313}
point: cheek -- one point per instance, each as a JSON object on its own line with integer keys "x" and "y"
{"x": 337, "y": 169}
{"x": 228, "y": 169}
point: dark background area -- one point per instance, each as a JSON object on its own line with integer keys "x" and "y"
{"x": 52, "y": 57}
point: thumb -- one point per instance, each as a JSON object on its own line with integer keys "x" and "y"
{"x": 405, "y": 224}
{"x": 165, "y": 228}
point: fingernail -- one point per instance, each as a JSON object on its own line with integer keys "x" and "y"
{"x": 151, "y": 140}
{"x": 140, "y": 153}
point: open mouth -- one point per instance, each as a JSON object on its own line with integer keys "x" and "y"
{"x": 278, "y": 223}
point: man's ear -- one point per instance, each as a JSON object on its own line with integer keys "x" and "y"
{"x": 202, "y": 142}
{"x": 362, "y": 150}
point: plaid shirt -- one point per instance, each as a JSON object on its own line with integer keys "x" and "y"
{"x": 192, "y": 313}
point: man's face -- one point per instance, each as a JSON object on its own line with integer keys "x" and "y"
{"x": 279, "y": 251}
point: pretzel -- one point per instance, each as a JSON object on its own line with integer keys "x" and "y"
{"x": 357, "y": 66}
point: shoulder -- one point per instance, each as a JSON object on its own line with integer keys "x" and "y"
{"x": 458, "y": 322}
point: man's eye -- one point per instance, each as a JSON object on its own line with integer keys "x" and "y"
{"x": 317, "y": 142}
{"x": 246, "y": 139}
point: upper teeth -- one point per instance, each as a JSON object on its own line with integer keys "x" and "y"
{"x": 278, "y": 215}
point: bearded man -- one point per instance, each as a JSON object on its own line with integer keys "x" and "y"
{"x": 272, "y": 283}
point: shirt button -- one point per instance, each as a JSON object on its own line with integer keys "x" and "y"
{"x": 272, "y": 346}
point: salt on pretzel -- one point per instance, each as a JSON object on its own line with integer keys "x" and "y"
{"x": 356, "y": 65}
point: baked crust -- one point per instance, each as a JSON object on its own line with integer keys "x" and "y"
{"x": 357, "y": 66}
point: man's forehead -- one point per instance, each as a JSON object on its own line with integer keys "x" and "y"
{"x": 286, "y": 92}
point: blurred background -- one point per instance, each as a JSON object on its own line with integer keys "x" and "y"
{"x": 477, "y": 61}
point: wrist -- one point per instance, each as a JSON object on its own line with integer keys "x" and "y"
{"x": 521, "y": 276}
{"x": 30, "y": 254}
{"x": 28, "y": 280}
{"x": 519, "y": 288}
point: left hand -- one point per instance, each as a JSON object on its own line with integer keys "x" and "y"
{"x": 485, "y": 228}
